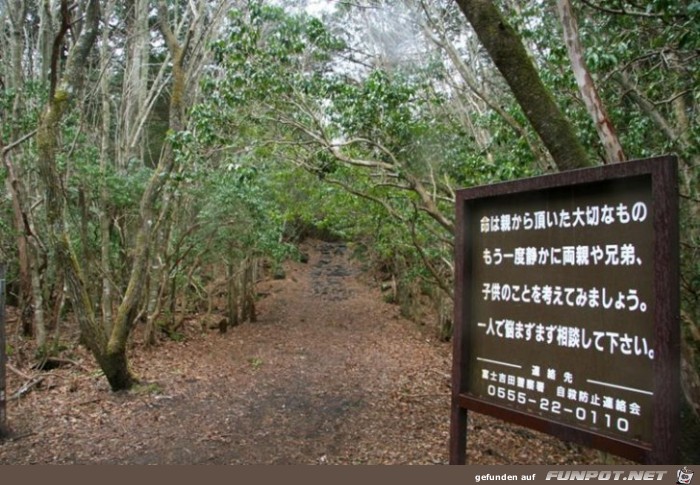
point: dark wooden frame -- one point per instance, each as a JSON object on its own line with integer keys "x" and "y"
{"x": 666, "y": 367}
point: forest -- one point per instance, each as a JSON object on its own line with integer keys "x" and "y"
{"x": 161, "y": 159}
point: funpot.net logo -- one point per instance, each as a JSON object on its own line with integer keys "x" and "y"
{"x": 606, "y": 474}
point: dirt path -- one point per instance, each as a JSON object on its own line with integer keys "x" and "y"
{"x": 329, "y": 374}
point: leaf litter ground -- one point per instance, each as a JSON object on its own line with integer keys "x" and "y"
{"x": 329, "y": 374}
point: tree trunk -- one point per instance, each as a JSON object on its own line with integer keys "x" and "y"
{"x": 86, "y": 255}
{"x": 157, "y": 289}
{"x": 124, "y": 319}
{"x": 105, "y": 239}
{"x": 232, "y": 294}
{"x": 15, "y": 189}
{"x": 17, "y": 11}
{"x": 45, "y": 38}
{"x": 152, "y": 309}
{"x": 115, "y": 366}
{"x": 57, "y": 298}
{"x": 47, "y": 145}
{"x": 506, "y": 49}
{"x": 248, "y": 290}
{"x": 38, "y": 309}
{"x": 589, "y": 93}
{"x": 30, "y": 252}
{"x": 135, "y": 86}
{"x": 172, "y": 303}
{"x": 483, "y": 138}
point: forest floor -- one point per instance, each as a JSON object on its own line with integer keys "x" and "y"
{"x": 329, "y": 374}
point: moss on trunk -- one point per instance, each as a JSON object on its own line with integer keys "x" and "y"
{"x": 506, "y": 49}
{"x": 116, "y": 369}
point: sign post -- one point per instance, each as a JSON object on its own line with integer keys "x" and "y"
{"x": 567, "y": 308}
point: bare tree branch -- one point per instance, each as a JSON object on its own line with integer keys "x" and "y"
{"x": 623, "y": 11}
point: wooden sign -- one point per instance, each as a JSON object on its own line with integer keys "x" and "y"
{"x": 567, "y": 308}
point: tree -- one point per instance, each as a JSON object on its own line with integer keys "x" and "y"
{"x": 586, "y": 85}
{"x": 106, "y": 335}
{"x": 62, "y": 95}
{"x": 510, "y": 57}
{"x": 14, "y": 85}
